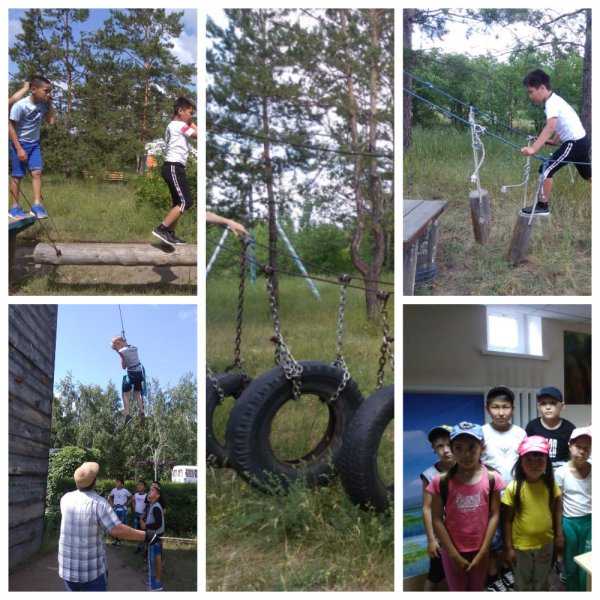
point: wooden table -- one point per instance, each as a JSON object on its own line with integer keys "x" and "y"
{"x": 585, "y": 562}
{"x": 420, "y": 227}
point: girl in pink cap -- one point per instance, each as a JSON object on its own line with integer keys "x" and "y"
{"x": 532, "y": 524}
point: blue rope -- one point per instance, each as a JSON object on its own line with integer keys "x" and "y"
{"x": 494, "y": 120}
{"x": 494, "y": 135}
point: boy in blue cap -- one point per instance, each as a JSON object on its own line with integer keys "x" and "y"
{"x": 551, "y": 426}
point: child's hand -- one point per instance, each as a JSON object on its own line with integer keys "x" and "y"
{"x": 527, "y": 151}
{"x": 510, "y": 556}
{"x": 559, "y": 542}
{"x": 22, "y": 155}
{"x": 460, "y": 563}
{"x": 474, "y": 564}
{"x": 25, "y": 87}
{"x": 433, "y": 549}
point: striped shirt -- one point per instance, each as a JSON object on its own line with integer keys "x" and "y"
{"x": 86, "y": 516}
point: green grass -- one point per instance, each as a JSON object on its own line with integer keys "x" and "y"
{"x": 439, "y": 165}
{"x": 310, "y": 539}
{"x": 93, "y": 211}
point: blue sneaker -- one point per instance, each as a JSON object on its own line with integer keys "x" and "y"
{"x": 16, "y": 213}
{"x": 155, "y": 586}
{"x": 37, "y": 210}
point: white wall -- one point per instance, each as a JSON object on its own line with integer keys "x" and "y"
{"x": 444, "y": 348}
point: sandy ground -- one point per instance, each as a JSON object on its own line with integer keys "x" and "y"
{"x": 41, "y": 575}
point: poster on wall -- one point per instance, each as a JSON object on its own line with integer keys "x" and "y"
{"x": 578, "y": 367}
{"x": 423, "y": 412}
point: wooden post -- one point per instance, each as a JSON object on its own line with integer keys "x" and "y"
{"x": 519, "y": 245}
{"x": 410, "y": 265}
{"x": 117, "y": 254}
{"x": 480, "y": 216}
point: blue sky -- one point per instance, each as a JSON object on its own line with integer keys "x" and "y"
{"x": 186, "y": 46}
{"x": 165, "y": 334}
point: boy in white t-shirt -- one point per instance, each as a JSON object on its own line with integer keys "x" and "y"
{"x": 120, "y": 498}
{"x": 502, "y": 440}
{"x": 179, "y": 131}
{"x": 574, "y": 479}
{"x": 562, "y": 123}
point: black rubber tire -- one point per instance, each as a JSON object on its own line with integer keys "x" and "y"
{"x": 357, "y": 464}
{"x": 233, "y": 385}
{"x": 249, "y": 426}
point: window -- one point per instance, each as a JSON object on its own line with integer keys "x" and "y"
{"x": 514, "y": 332}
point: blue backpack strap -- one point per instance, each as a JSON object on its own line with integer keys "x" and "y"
{"x": 144, "y": 389}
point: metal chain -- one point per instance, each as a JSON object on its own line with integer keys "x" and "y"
{"x": 238, "y": 362}
{"x": 215, "y": 383}
{"x": 387, "y": 339}
{"x": 283, "y": 356}
{"x": 339, "y": 361}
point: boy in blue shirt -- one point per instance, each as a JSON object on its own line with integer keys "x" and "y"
{"x": 24, "y": 127}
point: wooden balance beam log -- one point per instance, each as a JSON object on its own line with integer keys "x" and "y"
{"x": 128, "y": 255}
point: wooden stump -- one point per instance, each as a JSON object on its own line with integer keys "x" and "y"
{"x": 480, "y": 216}
{"x": 519, "y": 245}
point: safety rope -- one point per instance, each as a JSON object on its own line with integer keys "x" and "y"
{"x": 526, "y": 173}
{"x": 122, "y": 326}
{"x": 487, "y": 131}
{"x": 478, "y": 147}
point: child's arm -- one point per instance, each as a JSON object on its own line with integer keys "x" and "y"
{"x": 50, "y": 113}
{"x": 195, "y": 128}
{"x": 559, "y": 537}
{"x": 433, "y": 547}
{"x": 12, "y": 132}
{"x": 437, "y": 509}
{"x": 544, "y": 136}
{"x": 507, "y": 545}
{"x": 233, "y": 225}
{"x": 489, "y": 532}
{"x": 18, "y": 95}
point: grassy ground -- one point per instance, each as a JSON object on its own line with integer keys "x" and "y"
{"x": 92, "y": 211}
{"x": 309, "y": 539}
{"x": 439, "y": 165}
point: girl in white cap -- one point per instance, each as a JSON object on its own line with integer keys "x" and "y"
{"x": 575, "y": 481}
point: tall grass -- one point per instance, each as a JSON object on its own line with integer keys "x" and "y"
{"x": 310, "y": 539}
{"x": 439, "y": 165}
{"x": 93, "y": 211}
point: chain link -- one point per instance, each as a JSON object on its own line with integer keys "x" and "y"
{"x": 215, "y": 383}
{"x": 339, "y": 361}
{"x": 387, "y": 339}
{"x": 238, "y": 362}
{"x": 291, "y": 369}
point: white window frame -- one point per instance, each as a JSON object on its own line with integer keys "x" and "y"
{"x": 529, "y": 332}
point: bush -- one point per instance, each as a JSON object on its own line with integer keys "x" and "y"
{"x": 181, "y": 500}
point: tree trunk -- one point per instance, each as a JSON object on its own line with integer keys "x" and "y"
{"x": 586, "y": 108}
{"x": 407, "y": 26}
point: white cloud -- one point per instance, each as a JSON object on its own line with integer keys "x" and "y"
{"x": 186, "y": 315}
{"x": 415, "y": 442}
{"x": 14, "y": 28}
{"x": 185, "y": 47}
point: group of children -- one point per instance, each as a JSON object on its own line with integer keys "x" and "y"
{"x": 26, "y": 116}
{"x": 148, "y": 514}
{"x": 526, "y": 494}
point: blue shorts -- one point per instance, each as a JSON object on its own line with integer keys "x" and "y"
{"x": 33, "y": 162}
{"x": 134, "y": 380}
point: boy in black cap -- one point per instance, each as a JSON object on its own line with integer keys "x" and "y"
{"x": 502, "y": 440}
{"x": 439, "y": 438}
{"x": 550, "y": 425}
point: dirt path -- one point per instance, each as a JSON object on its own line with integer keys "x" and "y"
{"x": 41, "y": 574}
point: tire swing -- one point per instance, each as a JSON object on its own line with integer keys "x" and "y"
{"x": 358, "y": 464}
{"x": 220, "y": 386}
{"x": 254, "y": 454}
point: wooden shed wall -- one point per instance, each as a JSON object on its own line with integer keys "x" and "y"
{"x": 31, "y": 349}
